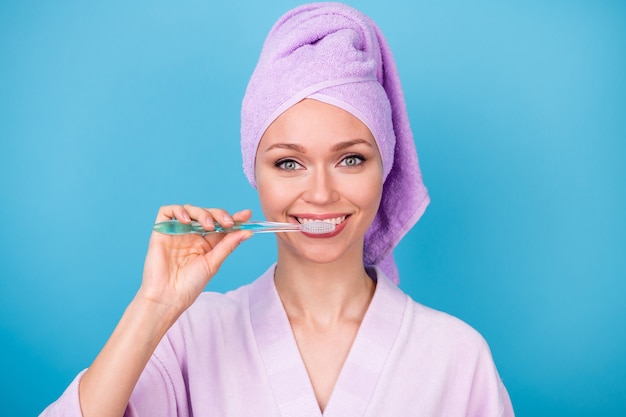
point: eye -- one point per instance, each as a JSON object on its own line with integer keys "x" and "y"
{"x": 287, "y": 164}
{"x": 352, "y": 160}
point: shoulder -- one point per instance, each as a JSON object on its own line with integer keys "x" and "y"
{"x": 448, "y": 350}
{"x": 210, "y": 306}
{"x": 211, "y": 321}
{"x": 220, "y": 315}
{"x": 440, "y": 354}
{"x": 428, "y": 331}
{"x": 427, "y": 324}
{"x": 441, "y": 325}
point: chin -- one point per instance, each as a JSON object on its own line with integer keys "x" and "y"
{"x": 326, "y": 254}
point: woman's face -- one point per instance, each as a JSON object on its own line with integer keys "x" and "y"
{"x": 319, "y": 162}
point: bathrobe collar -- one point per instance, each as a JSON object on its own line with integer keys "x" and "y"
{"x": 362, "y": 369}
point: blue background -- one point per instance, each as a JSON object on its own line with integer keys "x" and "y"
{"x": 110, "y": 109}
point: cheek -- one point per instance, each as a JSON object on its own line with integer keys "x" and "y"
{"x": 371, "y": 187}
{"x": 273, "y": 197}
{"x": 365, "y": 192}
{"x": 371, "y": 198}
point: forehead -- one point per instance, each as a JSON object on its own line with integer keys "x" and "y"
{"x": 313, "y": 122}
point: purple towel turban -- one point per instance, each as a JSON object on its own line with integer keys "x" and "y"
{"x": 333, "y": 53}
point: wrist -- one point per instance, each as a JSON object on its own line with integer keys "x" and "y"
{"x": 154, "y": 318}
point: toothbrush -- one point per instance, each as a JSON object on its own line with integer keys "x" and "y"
{"x": 174, "y": 227}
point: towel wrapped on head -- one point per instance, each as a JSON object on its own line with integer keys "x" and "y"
{"x": 333, "y": 53}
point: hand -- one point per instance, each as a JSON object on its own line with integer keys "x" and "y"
{"x": 177, "y": 268}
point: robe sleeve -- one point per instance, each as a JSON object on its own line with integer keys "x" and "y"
{"x": 160, "y": 391}
{"x": 68, "y": 404}
{"x": 488, "y": 391}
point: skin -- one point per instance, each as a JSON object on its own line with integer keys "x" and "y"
{"x": 314, "y": 161}
{"x": 176, "y": 270}
{"x": 318, "y": 161}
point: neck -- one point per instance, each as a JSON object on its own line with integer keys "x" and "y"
{"x": 323, "y": 294}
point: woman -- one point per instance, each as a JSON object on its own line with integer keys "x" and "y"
{"x": 325, "y": 331}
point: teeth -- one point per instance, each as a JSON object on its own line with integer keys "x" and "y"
{"x": 335, "y": 221}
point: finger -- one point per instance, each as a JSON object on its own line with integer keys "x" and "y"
{"x": 202, "y": 215}
{"x": 173, "y": 211}
{"x": 222, "y": 217}
{"x": 206, "y": 216}
{"x": 242, "y": 216}
{"x": 223, "y": 248}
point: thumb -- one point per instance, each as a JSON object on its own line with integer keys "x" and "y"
{"x": 225, "y": 247}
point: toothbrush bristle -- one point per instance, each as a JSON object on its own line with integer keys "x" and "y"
{"x": 318, "y": 227}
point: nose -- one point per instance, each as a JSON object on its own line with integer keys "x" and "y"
{"x": 321, "y": 188}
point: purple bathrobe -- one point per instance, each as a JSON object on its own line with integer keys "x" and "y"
{"x": 234, "y": 355}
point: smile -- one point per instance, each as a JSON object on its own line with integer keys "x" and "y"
{"x": 334, "y": 220}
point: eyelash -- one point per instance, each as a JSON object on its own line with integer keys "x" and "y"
{"x": 357, "y": 156}
{"x": 281, "y": 162}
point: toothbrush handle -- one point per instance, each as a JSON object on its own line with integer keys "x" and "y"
{"x": 259, "y": 227}
{"x": 174, "y": 227}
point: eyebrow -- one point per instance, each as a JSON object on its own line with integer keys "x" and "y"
{"x": 290, "y": 146}
{"x": 347, "y": 144}
{"x": 338, "y": 147}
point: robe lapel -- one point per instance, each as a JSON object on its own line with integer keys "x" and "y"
{"x": 362, "y": 369}
{"x": 370, "y": 351}
{"x": 285, "y": 369}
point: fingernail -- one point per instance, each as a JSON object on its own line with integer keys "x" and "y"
{"x": 227, "y": 219}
